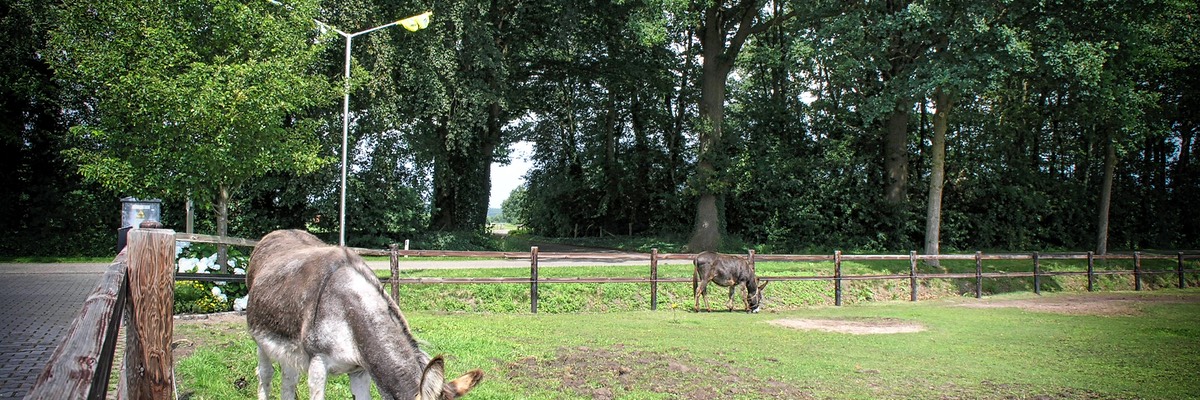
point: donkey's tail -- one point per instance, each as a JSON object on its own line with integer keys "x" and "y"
{"x": 695, "y": 277}
{"x": 696, "y": 286}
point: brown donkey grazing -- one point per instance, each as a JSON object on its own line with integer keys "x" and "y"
{"x": 318, "y": 308}
{"x": 727, "y": 271}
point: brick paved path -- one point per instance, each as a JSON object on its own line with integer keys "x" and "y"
{"x": 37, "y": 304}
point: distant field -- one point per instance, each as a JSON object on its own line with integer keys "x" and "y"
{"x": 1114, "y": 345}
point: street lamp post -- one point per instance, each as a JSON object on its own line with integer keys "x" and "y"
{"x": 412, "y": 24}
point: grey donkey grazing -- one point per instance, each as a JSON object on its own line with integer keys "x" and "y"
{"x": 318, "y": 308}
{"x": 727, "y": 271}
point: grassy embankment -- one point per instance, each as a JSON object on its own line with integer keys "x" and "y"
{"x": 583, "y": 297}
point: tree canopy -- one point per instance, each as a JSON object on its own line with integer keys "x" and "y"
{"x": 790, "y": 126}
{"x": 189, "y": 98}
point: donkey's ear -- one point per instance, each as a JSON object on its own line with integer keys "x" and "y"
{"x": 461, "y": 385}
{"x": 764, "y": 284}
{"x": 433, "y": 380}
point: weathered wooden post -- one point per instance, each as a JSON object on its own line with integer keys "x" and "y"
{"x": 912, "y": 274}
{"x": 654, "y": 279}
{"x": 1137, "y": 270}
{"x": 979, "y": 274}
{"x": 395, "y": 267}
{"x": 149, "y": 364}
{"x": 752, "y": 268}
{"x": 533, "y": 279}
{"x": 837, "y": 278}
{"x": 1179, "y": 271}
{"x": 1037, "y": 274}
{"x": 1091, "y": 271}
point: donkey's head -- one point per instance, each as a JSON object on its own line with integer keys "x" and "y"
{"x": 435, "y": 387}
{"x": 754, "y": 294}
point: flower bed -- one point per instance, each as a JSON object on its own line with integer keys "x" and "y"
{"x": 203, "y": 297}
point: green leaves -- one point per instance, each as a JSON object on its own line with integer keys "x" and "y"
{"x": 202, "y": 93}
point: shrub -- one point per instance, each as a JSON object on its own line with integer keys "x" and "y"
{"x": 204, "y": 297}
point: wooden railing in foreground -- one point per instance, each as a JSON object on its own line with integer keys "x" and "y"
{"x": 838, "y": 278}
{"x": 138, "y": 286}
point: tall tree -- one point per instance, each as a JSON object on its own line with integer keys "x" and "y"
{"x": 937, "y": 172}
{"x": 191, "y": 96}
{"x": 722, "y": 30}
{"x": 968, "y": 43}
{"x": 469, "y": 100}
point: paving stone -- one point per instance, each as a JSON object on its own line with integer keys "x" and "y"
{"x": 40, "y": 302}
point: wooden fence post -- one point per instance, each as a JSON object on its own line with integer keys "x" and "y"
{"x": 1179, "y": 271}
{"x": 979, "y": 274}
{"x": 837, "y": 278}
{"x": 533, "y": 279}
{"x": 1037, "y": 273}
{"x": 1091, "y": 271}
{"x": 395, "y": 267}
{"x": 149, "y": 364}
{"x": 912, "y": 274}
{"x": 654, "y": 279}
{"x": 1137, "y": 270}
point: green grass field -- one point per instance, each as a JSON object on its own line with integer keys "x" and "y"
{"x": 1122, "y": 345}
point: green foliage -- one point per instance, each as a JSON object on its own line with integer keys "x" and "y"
{"x": 514, "y": 209}
{"x": 195, "y": 95}
{"x": 48, "y": 210}
{"x": 191, "y": 96}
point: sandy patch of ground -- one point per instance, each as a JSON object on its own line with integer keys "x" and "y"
{"x": 852, "y": 326}
{"x": 1108, "y": 304}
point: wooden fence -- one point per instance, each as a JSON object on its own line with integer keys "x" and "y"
{"x": 534, "y": 256}
{"x": 139, "y": 287}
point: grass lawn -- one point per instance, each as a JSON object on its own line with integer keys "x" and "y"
{"x": 1059, "y": 345}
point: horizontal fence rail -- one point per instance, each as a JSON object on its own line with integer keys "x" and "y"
{"x": 913, "y": 275}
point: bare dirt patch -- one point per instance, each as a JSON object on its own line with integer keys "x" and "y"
{"x": 607, "y": 373}
{"x": 1103, "y": 304}
{"x": 874, "y": 326}
{"x": 214, "y": 318}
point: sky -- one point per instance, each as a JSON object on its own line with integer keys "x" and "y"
{"x": 505, "y": 178}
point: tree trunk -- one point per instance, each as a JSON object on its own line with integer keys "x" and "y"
{"x": 612, "y": 183}
{"x": 895, "y": 155}
{"x": 718, "y": 56}
{"x": 719, "y": 48}
{"x": 223, "y": 227}
{"x": 937, "y": 174}
{"x": 706, "y": 234}
{"x": 1110, "y": 165}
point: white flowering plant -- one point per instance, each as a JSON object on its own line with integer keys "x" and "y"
{"x": 202, "y": 297}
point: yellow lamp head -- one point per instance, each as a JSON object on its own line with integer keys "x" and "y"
{"x": 416, "y": 22}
